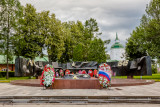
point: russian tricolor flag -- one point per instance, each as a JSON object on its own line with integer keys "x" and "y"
{"x": 104, "y": 74}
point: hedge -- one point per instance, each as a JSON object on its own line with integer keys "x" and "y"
{"x": 3, "y": 74}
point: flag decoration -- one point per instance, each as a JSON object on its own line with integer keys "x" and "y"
{"x": 105, "y": 74}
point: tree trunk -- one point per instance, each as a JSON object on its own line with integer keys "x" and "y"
{"x": 8, "y": 30}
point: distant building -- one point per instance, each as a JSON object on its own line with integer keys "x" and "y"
{"x": 3, "y": 63}
{"x": 117, "y": 50}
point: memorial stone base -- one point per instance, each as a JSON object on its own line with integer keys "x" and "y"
{"x": 92, "y": 83}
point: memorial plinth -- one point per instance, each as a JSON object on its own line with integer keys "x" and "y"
{"x": 91, "y": 83}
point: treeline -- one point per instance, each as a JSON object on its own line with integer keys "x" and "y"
{"x": 145, "y": 39}
{"x": 25, "y": 32}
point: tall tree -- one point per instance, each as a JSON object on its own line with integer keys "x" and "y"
{"x": 9, "y": 13}
{"x": 78, "y": 53}
{"x": 55, "y": 39}
{"x": 135, "y": 45}
{"x": 30, "y": 41}
{"x": 148, "y": 32}
{"x": 44, "y": 24}
{"x": 73, "y": 37}
{"x": 92, "y": 28}
{"x": 96, "y": 51}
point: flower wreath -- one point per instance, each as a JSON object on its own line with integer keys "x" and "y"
{"x": 105, "y": 74}
{"x": 48, "y": 76}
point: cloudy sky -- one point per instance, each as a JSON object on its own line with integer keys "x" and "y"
{"x": 121, "y": 16}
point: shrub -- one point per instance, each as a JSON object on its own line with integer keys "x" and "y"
{"x": 3, "y": 74}
{"x": 154, "y": 69}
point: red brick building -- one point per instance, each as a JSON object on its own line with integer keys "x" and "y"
{"x": 3, "y": 63}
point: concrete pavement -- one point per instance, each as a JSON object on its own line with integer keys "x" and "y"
{"x": 6, "y": 89}
{"x": 108, "y": 105}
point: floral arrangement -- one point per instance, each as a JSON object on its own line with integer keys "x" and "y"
{"x": 80, "y": 72}
{"x": 61, "y": 73}
{"x": 67, "y": 72}
{"x": 95, "y": 73}
{"x": 90, "y": 72}
{"x": 105, "y": 74}
{"x": 48, "y": 76}
{"x": 57, "y": 74}
{"x": 75, "y": 77}
{"x": 84, "y": 72}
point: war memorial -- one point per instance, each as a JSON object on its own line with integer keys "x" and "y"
{"x": 84, "y": 75}
{"x": 82, "y": 83}
{"x": 66, "y": 83}
{"x": 64, "y": 53}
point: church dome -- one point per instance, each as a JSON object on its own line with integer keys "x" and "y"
{"x": 117, "y": 43}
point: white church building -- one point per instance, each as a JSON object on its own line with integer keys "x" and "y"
{"x": 117, "y": 50}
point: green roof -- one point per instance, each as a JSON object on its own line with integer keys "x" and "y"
{"x": 41, "y": 59}
{"x": 3, "y": 59}
{"x": 117, "y": 44}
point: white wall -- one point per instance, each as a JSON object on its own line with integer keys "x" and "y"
{"x": 117, "y": 54}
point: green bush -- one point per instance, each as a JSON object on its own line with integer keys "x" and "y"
{"x": 154, "y": 69}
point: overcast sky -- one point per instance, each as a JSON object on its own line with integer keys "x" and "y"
{"x": 121, "y": 16}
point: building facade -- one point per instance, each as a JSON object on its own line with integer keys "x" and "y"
{"x": 11, "y": 64}
{"x": 117, "y": 50}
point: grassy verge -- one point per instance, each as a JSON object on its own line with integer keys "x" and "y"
{"x": 4, "y": 80}
{"x": 155, "y": 77}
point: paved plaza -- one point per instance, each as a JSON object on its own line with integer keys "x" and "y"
{"x": 6, "y": 89}
{"x": 108, "y": 105}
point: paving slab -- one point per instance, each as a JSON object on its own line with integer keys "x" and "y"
{"x": 7, "y": 89}
{"x": 108, "y": 105}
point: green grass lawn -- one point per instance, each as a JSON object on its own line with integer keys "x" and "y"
{"x": 4, "y": 80}
{"x": 155, "y": 77}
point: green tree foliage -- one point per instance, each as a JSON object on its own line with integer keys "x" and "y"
{"x": 134, "y": 46}
{"x": 78, "y": 52}
{"x": 154, "y": 69}
{"x": 55, "y": 39}
{"x": 10, "y": 11}
{"x": 145, "y": 38}
{"x": 90, "y": 32}
{"x": 33, "y": 32}
{"x": 73, "y": 37}
{"x": 92, "y": 28}
{"x": 80, "y": 41}
{"x": 29, "y": 37}
{"x": 96, "y": 51}
{"x": 108, "y": 56}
